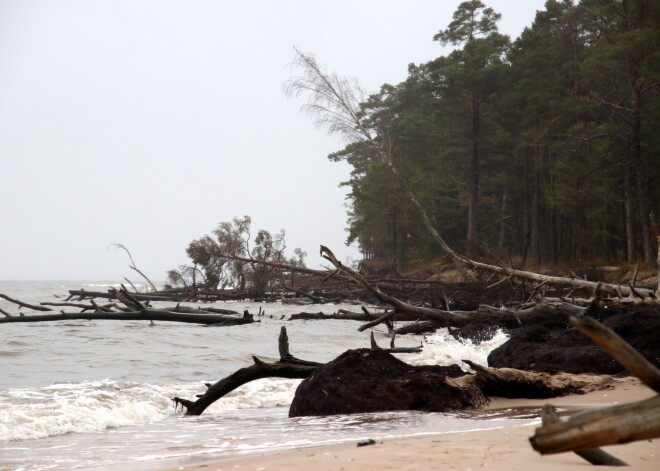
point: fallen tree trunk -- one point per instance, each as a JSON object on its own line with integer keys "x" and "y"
{"x": 198, "y": 310}
{"x": 538, "y": 313}
{"x": 561, "y": 282}
{"x": 513, "y": 383}
{"x": 351, "y": 316}
{"x": 286, "y": 367}
{"x": 608, "y": 426}
{"x": 136, "y": 312}
{"x": 145, "y": 315}
{"x": 595, "y": 456}
{"x": 81, "y": 294}
{"x": 421, "y": 327}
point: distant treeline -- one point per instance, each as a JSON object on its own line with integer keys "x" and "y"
{"x": 544, "y": 148}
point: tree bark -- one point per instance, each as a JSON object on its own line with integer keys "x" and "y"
{"x": 595, "y": 456}
{"x": 601, "y": 427}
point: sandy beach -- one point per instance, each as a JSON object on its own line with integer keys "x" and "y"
{"x": 500, "y": 449}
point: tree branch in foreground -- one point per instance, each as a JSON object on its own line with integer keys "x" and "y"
{"x": 610, "y": 425}
{"x": 594, "y": 455}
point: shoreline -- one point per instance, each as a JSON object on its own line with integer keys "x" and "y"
{"x": 505, "y": 449}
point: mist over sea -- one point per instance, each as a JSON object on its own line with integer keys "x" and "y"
{"x": 97, "y": 394}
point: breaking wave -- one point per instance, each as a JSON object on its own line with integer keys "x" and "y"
{"x": 93, "y": 406}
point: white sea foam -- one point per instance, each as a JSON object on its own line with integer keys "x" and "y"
{"x": 441, "y": 348}
{"x": 92, "y": 406}
{"x": 52, "y": 385}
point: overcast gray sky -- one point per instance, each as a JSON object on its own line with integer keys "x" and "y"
{"x": 148, "y": 122}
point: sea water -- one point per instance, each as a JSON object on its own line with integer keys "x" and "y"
{"x": 97, "y": 394}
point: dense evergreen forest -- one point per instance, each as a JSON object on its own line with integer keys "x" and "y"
{"x": 543, "y": 149}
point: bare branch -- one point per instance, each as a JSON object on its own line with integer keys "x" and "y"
{"x": 132, "y": 265}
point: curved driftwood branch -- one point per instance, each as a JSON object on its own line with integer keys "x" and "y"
{"x": 133, "y": 267}
{"x": 286, "y": 367}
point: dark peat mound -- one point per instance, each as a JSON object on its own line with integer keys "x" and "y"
{"x": 555, "y": 346}
{"x": 367, "y": 380}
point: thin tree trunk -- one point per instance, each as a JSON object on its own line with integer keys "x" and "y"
{"x": 627, "y": 214}
{"x": 500, "y": 238}
{"x": 473, "y": 200}
{"x": 536, "y": 210}
{"x": 640, "y": 177}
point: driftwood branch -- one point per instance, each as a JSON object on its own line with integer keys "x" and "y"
{"x": 514, "y": 383}
{"x": 537, "y": 313}
{"x": 81, "y": 294}
{"x": 620, "y": 350}
{"x": 133, "y": 267}
{"x": 144, "y": 315}
{"x": 595, "y": 456}
{"x": 393, "y": 349}
{"x": 286, "y": 367}
{"x": 610, "y": 425}
{"x": 601, "y": 427}
{"x": 561, "y": 282}
{"x": 22, "y": 304}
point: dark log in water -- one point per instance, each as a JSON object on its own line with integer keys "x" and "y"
{"x": 144, "y": 315}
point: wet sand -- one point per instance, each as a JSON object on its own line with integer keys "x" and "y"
{"x": 506, "y": 449}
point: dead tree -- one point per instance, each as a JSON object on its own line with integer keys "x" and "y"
{"x": 538, "y": 313}
{"x": 133, "y": 267}
{"x": 134, "y": 311}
